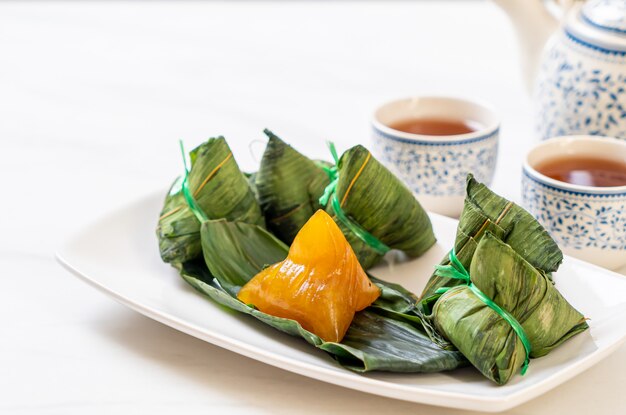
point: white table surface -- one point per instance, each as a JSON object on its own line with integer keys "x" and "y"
{"x": 93, "y": 98}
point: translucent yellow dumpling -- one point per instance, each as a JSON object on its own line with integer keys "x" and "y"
{"x": 320, "y": 284}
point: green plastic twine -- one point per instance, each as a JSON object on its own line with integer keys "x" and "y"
{"x": 333, "y": 175}
{"x": 191, "y": 201}
{"x": 331, "y": 171}
{"x": 457, "y": 271}
{"x": 354, "y": 227}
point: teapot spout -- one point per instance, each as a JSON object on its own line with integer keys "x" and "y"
{"x": 533, "y": 25}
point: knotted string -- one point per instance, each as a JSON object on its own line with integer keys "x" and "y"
{"x": 330, "y": 194}
{"x": 457, "y": 271}
{"x": 333, "y": 175}
{"x": 191, "y": 201}
{"x": 331, "y": 171}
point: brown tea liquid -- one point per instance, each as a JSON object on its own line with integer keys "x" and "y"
{"x": 585, "y": 171}
{"x": 433, "y": 126}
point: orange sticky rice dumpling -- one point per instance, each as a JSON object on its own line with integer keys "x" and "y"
{"x": 320, "y": 284}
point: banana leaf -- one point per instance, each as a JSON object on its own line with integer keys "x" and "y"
{"x": 484, "y": 211}
{"x": 374, "y": 341}
{"x": 289, "y": 186}
{"x": 254, "y": 249}
{"x": 221, "y": 191}
{"x": 380, "y": 203}
{"x": 484, "y": 336}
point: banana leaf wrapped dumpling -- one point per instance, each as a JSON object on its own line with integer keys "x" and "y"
{"x": 484, "y": 211}
{"x": 220, "y": 189}
{"x": 289, "y": 186}
{"x": 320, "y": 284}
{"x": 484, "y": 337}
{"x": 370, "y": 196}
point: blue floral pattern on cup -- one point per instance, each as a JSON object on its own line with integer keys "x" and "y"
{"x": 577, "y": 220}
{"x": 581, "y": 90}
{"x": 438, "y": 168}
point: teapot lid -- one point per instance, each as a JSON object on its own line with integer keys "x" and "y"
{"x": 609, "y": 15}
{"x": 599, "y": 23}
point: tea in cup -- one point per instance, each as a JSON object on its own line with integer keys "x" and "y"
{"x": 576, "y": 187}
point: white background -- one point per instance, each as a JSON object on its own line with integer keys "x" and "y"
{"x": 93, "y": 98}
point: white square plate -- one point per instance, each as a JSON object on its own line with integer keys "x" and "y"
{"x": 119, "y": 255}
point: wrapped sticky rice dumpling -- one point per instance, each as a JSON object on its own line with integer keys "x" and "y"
{"x": 320, "y": 284}
{"x": 370, "y": 198}
{"x": 220, "y": 190}
{"x": 289, "y": 186}
{"x": 484, "y": 211}
{"x": 483, "y": 335}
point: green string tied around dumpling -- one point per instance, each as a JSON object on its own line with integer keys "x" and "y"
{"x": 457, "y": 271}
{"x": 485, "y": 211}
{"x": 331, "y": 171}
{"x": 191, "y": 201}
{"x": 487, "y": 337}
{"x": 219, "y": 188}
{"x": 373, "y": 208}
{"x": 333, "y": 175}
{"x": 330, "y": 193}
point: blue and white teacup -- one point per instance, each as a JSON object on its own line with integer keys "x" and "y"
{"x": 587, "y": 222}
{"x": 435, "y": 167}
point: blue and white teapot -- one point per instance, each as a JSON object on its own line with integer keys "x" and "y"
{"x": 579, "y": 75}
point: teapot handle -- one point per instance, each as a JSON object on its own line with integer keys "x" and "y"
{"x": 559, "y": 8}
{"x": 534, "y": 21}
